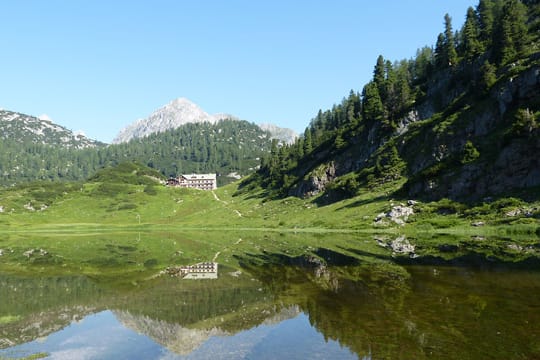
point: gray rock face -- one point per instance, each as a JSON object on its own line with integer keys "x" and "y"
{"x": 316, "y": 181}
{"x": 182, "y": 111}
{"x": 173, "y": 115}
{"x": 287, "y": 136}
{"x": 516, "y": 164}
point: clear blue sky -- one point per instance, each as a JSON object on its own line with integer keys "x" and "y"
{"x": 98, "y": 65}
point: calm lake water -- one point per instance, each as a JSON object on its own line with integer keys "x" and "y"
{"x": 278, "y": 312}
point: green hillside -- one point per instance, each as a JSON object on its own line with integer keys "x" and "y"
{"x": 458, "y": 121}
{"x": 125, "y": 220}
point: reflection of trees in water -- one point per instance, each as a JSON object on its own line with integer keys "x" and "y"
{"x": 37, "y": 306}
{"x": 380, "y": 309}
{"x": 416, "y": 312}
{"x": 338, "y": 299}
{"x": 43, "y": 305}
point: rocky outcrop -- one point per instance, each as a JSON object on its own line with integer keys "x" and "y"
{"x": 315, "y": 183}
{"x": 513, "y": 162}
{"x": 398, "y": 214}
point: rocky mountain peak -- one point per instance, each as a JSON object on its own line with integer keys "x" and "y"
{"x": 176, "y": 113}
{"x": 182, "y": 111}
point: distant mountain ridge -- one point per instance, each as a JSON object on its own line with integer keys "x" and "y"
{"x": 182, "y": 111}
{"x": 26, "y": 128}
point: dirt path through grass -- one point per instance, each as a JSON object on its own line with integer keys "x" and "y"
{"x": 226, "y": 204}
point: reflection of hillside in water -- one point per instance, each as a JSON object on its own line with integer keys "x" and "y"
{"x": 376, "y": 310}
{"x": 386, "y": 311}
{"x": 38, "y": 306}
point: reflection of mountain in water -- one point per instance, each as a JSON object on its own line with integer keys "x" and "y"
{"x": 174, "y": 337}
{"x": 182, "y": 340}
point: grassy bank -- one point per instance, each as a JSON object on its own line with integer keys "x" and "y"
{"x": 99, "y": 227}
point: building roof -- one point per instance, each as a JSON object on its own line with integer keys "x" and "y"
{"x": 199, "y": 176}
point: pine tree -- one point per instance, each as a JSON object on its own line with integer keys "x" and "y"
{"x": 488, "y": 76}
{"x": 372, "y": 104}
{"x": 470, "y": 36}
{"x": 441, "y": 58}
{"x": 511, "y": 34}
{"x": 449, "y": 42}
{"x": 422, "y": 65}
{"x": 486, "y": 19}
{"x": 379, "y": 77}
{"x": 308, "y": 142}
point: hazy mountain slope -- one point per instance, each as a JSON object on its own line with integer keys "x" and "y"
{"x": 27, "y": 128}
{"x": 285, "y": 135}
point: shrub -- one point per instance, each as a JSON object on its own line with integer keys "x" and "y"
{"x": 127, "y": 206}
{"x": 150, "y": 190}
{"x": 470, "y": 153}
{"x": 150, "y": 263}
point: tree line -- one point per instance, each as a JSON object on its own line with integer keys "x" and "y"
{"x": 225, "y": 147}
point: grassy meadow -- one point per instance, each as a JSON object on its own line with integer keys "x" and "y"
{"x": 133, "y": 224}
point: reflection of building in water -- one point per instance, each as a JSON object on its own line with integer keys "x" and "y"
{"x": 204, "y": 270}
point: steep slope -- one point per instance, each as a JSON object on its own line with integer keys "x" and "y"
{"x": 31, "y": 129}
{"x": 458, "y": 122}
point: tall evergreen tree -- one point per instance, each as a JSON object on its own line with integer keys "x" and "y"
{"x": 486, "y": 20}
{"x": 372, "y": 105}
{"x": 470, "y": 36}
{"x": 441, "y": 58}
{"x": 422, "y": 65}
{"x": 449, "y": 42}
{"x": 511, "y": 34}
{"x": 308, "y": 142}
{"x": 379, "y": 76}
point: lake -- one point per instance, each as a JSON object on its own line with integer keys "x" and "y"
{"x": 286, "y": 308}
